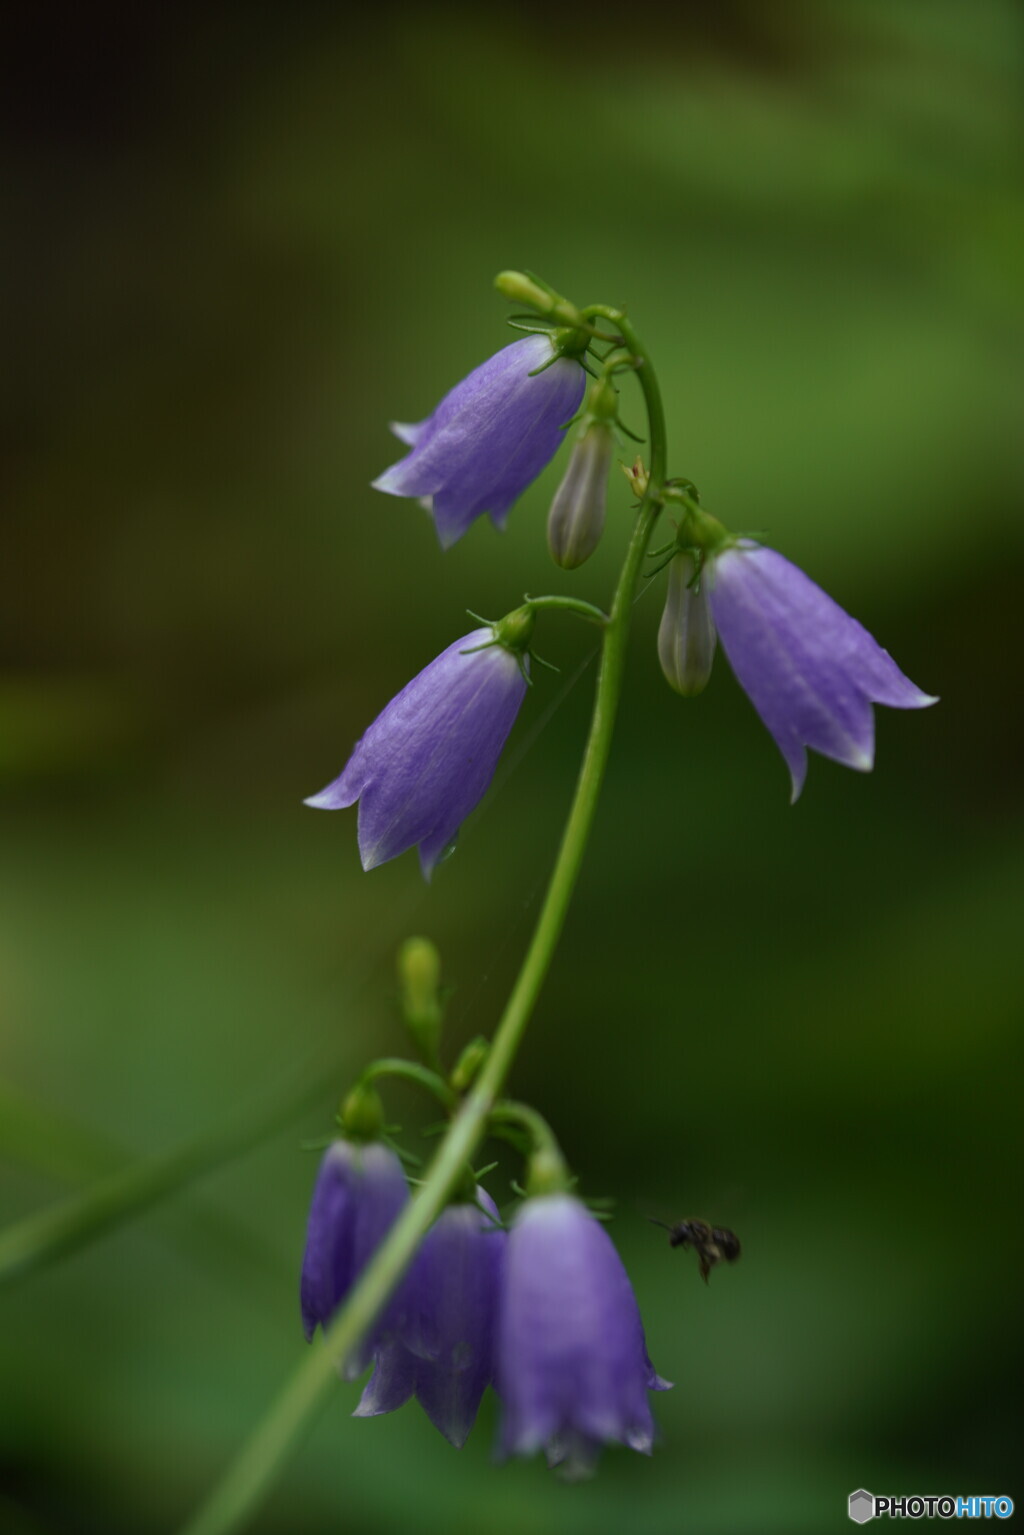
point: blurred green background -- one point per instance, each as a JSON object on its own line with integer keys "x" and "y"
{"x": 238, "y": 242}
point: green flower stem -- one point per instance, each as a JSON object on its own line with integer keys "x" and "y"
{"x": 412, "y": 1071}
{"x": 569, "y": 605}
{"x": 262, "y": 1458}
{"x": 508, "y": 1115}
{"x": 649, "y": 385}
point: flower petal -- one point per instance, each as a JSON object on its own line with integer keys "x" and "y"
{"x": 392, "y": 1383}
{"x": 327, "y": 1263}
{"x": 451, "y": 1318}
{"x": 358, "y": 1194}
{"x": 811, "y": 671}
{"x": 573, "y": 1371}
{"x": 409, "y": 432}
{"x": 427, "y": 760}
{"x": 490, "y": 436}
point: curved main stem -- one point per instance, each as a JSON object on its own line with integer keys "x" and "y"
{"x": 256, "y": 1467}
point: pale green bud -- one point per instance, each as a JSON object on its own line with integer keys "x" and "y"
{"x": 686, "y": 638}
{"x": 419, "y": 981}
{"x": 522, "y": 289}
{"x": 467, "y": 1067}
{"x": 576, "y": 519}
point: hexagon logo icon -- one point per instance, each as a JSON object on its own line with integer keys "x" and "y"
{"x": 862, "y": 1506}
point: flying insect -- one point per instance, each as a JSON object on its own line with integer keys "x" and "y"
{"x": 712, "y": 1244}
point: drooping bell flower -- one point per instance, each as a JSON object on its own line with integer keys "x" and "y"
{"x": 359, "y": 1192}
{"x": 573, "y": 1370}
{"x": 491, "y": 435}
{"x": 426, "y": 761}
{"x": 811, "y": 671}
{"x": 444, "y": 1350}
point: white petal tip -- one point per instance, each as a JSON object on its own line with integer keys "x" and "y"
{"x": 455, "y": 1437}
{"x": 446, "y": 537}
{"x": 386, "y": 482}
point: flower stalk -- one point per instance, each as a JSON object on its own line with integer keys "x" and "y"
{"x": 412, "y": 1071}
{"x": 261, "y": 1459}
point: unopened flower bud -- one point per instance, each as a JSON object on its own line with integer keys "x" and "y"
{"x": 523, "y": 289}
{"x": 419, "y": 979}
{"x": 576, "y": 520}
{"x": 467, "y": 1067}
{"x": 686, "y": 638}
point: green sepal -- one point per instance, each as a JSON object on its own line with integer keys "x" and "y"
{"x": 515, "y": 630}
{"x": 361, "y": 1115}
{"x": 547, "y": 1173}
{"x": 407, "y": 1158}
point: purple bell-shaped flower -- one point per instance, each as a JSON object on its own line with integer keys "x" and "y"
{"x": 444, "y": 1351}
{"x": 490, "y": 436}
{"x": 426, "y": 761}
{"x": 573, "y": 1371}
{"x": 360, "y": 1190}
{"x": 811, "y": 671}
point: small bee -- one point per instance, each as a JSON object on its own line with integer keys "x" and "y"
{"x": 712, "y": 1244}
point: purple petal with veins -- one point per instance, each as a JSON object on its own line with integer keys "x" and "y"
{"x": 427, "y": 760}
{"x": 489, "y": 437}
{"x": 811, "y": 671}
{"x": 573, "y": 1369}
